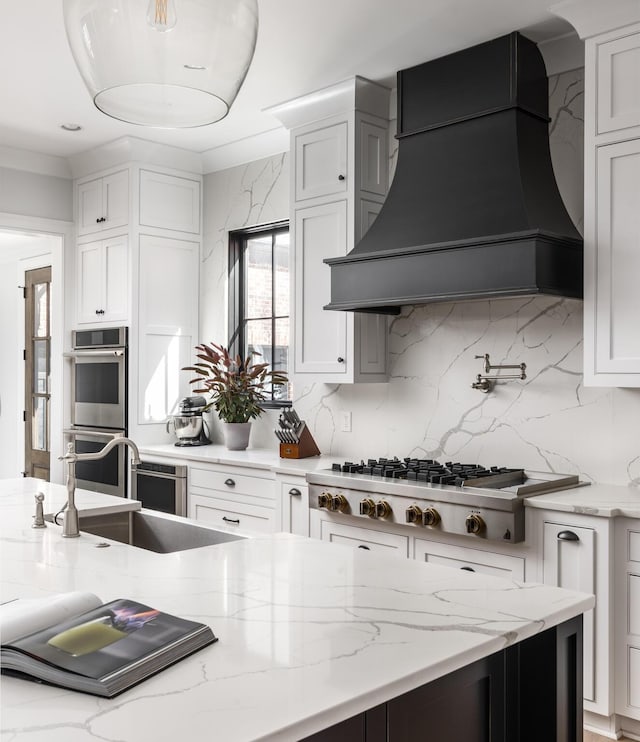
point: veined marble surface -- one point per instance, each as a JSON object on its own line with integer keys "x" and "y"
{"x": 310, "y": 633}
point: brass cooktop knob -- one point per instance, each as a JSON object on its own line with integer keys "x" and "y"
{"x": 324, "y": 500}
{"x": 430, "y": 517}
{"x": 474, "y": 523}
{"x": 413, "y": 514}
{"x": 368, "y": 507}
{"x": 338, "y": 504}
{"x": 383, "y": 509}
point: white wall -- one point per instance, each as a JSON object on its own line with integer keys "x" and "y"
{"x": 548, "y": 422}
{"x": 35, "y": 194}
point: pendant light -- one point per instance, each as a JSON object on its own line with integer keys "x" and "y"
{"x": 165, "y": 63}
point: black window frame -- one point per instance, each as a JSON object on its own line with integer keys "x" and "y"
{"x": 238, "y": 239}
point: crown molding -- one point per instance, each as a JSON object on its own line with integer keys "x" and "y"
{"x": 562, "y": 53}
{"x": 592, "y": 17}
{"x": 242, "y": 151}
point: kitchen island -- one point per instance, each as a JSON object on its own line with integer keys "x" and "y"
{"x": 310, "y": 634}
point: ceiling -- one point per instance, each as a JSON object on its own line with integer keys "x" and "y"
{"x": 302, "y": 46}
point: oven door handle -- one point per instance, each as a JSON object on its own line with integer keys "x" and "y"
{"x": 97, "y": 353}
{"x": 93, "y": 432}
{"x": 158, "y": 474}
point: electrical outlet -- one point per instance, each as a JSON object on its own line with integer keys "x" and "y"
{"x": 345, "y": 421}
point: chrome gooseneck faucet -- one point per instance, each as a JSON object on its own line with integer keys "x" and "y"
{"x": 70, "y": 523}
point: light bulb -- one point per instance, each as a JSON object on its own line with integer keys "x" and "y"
{"x": 161, "y": 15}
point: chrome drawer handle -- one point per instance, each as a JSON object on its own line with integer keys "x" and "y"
{"x": 362, "y": 546}
{"x": 467, "y": 569}
{"x": 568, "y": 536}
{"x": 295, "y": 491}
{"x": 229, "y": 482}
{"x": 231, "y": 520}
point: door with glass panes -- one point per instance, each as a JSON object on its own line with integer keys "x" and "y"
{"x": 37, "y": 365}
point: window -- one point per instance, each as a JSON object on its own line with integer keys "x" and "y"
{"x": 259, "y": 298}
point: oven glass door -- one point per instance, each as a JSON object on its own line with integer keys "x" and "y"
{"x": 108, "y": 475}
{"x": 98, "y": 390}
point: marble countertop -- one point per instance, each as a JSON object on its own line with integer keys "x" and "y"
{"x": 253, "y": 458}
{"x": 310, "y": 633}
{"x": 604, "y": 500}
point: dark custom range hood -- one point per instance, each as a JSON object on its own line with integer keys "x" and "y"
{"x": 474, "y": 210}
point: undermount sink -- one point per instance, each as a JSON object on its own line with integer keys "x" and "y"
{"x": 153, "y": 531}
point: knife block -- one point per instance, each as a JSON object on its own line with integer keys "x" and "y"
{"x": 305, "y": 447}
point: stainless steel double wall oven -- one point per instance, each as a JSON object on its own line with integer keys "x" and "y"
{"x": 99, "y": 406}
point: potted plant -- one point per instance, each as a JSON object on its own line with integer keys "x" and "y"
{"x": 237, "y": 387}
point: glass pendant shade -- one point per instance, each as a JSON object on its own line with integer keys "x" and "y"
{"x": 165, "y": 63}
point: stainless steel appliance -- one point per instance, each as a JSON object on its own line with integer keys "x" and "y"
{"x": 189, "y": 426}
{"x": 99, "y": 406}
{"x": 99, "y": 378}
{"x": 160, "y": 487}
{"x": 465, "y": 499}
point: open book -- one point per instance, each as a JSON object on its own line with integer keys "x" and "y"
{"x": 75, "y": 641}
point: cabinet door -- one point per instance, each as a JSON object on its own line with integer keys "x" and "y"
{"x": 471, "y": 560}
{"x": 294, "y": 499}
{"x": 374, "y": 158}
{"x": 569, "y": 561}
{"x": 364, "y": 538}
{"x": 90, "y": 206}
{"x": 116, "y": 279}
{"x": 320, "y": 336}
{"x": 321, "y": 162}
{"x": 90, "y": 284}
{"x": 115, "y": 200}
{"x": 169, "y": 202}
{"x": 618, "y": 84}
{"x": 616, "y": 265}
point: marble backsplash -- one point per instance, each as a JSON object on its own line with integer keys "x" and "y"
{"x": 549, "y": 422}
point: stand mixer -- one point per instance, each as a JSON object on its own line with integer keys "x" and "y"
{"x": 189, "y": 426}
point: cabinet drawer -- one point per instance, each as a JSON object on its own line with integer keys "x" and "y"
{"x": 473, "y": 560}
{"x": 232, "y": 480}
{"x": 228, "y": 514}
{"x": 364, "y": 538}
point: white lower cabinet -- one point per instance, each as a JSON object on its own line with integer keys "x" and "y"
{"x": 577, "y": 555}
{"x": 472, "y": 560}
{"x": 232, "y": 496}
{"x": 293, "y": 504}
{"x": 627, "y": 618}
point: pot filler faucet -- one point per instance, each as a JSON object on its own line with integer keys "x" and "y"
{"x": 70, "y": 523}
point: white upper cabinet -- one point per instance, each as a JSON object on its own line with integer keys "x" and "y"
{"x": 612, "y": 208}
{"x": 320, "y": 157}
{"x": 103, "y": 281}
{"x": 339, "y": 171}
{"x": 103, "y": 203}
{"x": 169, "y": 202}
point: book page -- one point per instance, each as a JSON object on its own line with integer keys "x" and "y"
{"x": 26, "y": 615}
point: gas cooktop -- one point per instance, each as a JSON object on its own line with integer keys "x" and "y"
{"x": 454, "y": 497}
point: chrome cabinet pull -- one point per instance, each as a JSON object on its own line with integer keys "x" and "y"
{"x": 229, "y": 482}
{"x": 295, "y": 492}
{"x": 568, "y": 536}
{"x": 231, "y": 520}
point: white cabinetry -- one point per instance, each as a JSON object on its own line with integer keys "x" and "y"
{"x": 293, "y": 502}
{"x": 472, "y": 560}
{"x": 339, "y": 172}
{"x": 364, "y": 538}
{"x": 627, "y": 618}
{"x": 103, "y": 203}
{"x": 233, "y": 497}
{"x": 103, "y": 281}
{"x": 576, "y": 554}
{"x": 612, "y": 208}
{"x": 169, "y": 202}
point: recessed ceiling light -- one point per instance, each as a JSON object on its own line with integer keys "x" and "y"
{"x": 70, "y": 127}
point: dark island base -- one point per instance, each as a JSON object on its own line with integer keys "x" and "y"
{"x": 530, "y": 692}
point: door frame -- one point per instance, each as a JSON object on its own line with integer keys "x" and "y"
{"x": 61, "y": 262}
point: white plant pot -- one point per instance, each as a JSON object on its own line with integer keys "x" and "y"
{"x": 236, "y": 435}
